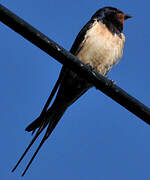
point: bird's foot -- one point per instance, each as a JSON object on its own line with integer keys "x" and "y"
{"x": 91, "y": 67}
{"x": 111, "y": 80}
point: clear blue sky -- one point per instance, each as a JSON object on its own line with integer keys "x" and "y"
{"x": 96, "y": 138}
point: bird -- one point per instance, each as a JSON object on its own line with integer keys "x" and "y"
{"x": 100, "y": 45}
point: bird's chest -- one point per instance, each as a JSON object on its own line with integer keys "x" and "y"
{"x": 101, "y": 49}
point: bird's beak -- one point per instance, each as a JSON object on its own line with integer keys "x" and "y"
{"x": 127, "y": 16}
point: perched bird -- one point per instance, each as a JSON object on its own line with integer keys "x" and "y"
{"x": 100, "y": 45}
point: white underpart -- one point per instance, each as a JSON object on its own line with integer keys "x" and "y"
{"x": 101, "y": 49}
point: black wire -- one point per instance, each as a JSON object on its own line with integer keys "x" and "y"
{"x": 66, "y": 58}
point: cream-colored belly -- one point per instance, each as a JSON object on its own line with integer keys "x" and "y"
{"x": 101, "y": 49}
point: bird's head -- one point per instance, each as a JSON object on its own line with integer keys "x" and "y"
{"x": 111, "y": 17}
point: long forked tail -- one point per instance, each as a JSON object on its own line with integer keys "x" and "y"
{"x": 36, "y": 123}
{"x": 51, "y": 119}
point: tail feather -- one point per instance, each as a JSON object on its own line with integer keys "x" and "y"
{"x": 36, "y": 123}
{"x": 51, "y": 118}
{"x": 41, "y": 128}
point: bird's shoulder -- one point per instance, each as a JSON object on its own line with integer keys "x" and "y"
{"x": 80, "y": 37}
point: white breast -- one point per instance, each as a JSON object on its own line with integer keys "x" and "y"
{"x": 101, "y": 49}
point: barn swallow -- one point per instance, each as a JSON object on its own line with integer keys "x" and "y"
{"x": 99, "y": 44}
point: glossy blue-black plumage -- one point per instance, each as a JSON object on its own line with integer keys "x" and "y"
{"x": 70, "y": 85}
